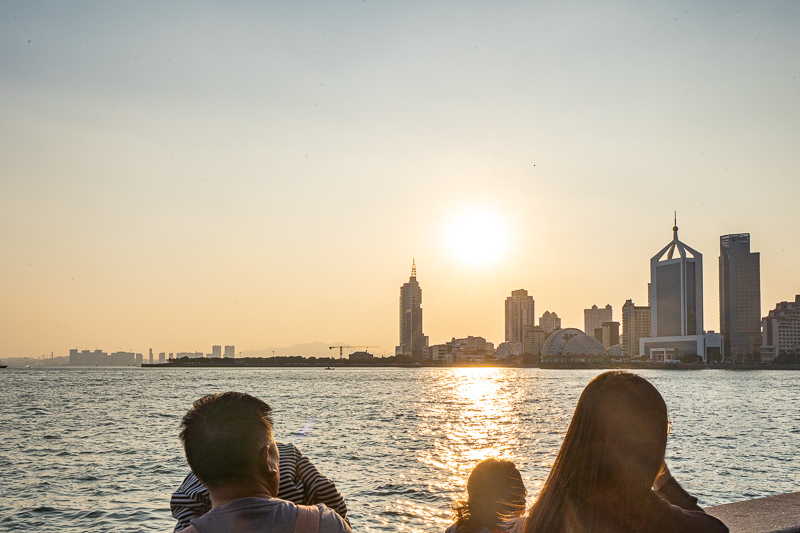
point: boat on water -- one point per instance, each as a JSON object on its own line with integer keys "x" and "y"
{"x": 2, "y": 365}
{"x": 329, "y": 368}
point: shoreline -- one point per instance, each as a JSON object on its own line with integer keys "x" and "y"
{"x": 244, "y": 363}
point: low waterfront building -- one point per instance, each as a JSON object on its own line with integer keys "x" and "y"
{"x": 87, "y": 358}
{"x": 190, "y": 355}
{"x": 508, "y": 349}
{"x": 707, "y": 346}
{"x": 470, "y": 349}
{"x": 101, "y": 358}
{"x": 361, "y": 357}
{"x": 437, "y": 352}
{"x": 614, "y": 353}
{"x": 780, "y": 330}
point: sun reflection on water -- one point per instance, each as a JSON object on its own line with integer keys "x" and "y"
{"x": 468, "y": 415}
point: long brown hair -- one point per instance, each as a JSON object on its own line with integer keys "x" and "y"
{"x": 611, "y": 454}
{"x": 495, "y": 493}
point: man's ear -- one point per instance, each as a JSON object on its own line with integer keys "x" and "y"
{"x": 269, "y": 460}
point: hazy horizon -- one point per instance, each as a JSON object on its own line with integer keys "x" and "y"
{"x": 177, "y": 176}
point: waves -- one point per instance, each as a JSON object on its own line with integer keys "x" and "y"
{"x": 97, "y": 449}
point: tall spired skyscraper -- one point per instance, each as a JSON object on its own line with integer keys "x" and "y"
{"x": 412, "y": 341}
{"x": 676, "y": 290}
{"x": 676, "y": 306}
{"x": 739, "y": 295}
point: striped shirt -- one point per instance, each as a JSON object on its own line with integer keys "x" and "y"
{"x": 300, "y": 483}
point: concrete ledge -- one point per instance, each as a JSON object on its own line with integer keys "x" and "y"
{"x": 774, "y": 514}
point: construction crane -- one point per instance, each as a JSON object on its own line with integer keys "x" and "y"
{"x": 343, "y": 347}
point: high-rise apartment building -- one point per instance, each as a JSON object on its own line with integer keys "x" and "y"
{"x": 533, "y": 340}
{"x": 216, "y": 351}
{"x": 635, "y": 325}
{"x": 739, "y": 295}
{"x": 593, "y": 318}
{"x": 781, "y": 330}
{"x": 676, "y": 303}
{"x": 608, "y": 334}
{"x": 519, "y": 313}
{"x": 549, "y": 322}
{"x": 413, "y": 341}
{"x": 230, "y": 352}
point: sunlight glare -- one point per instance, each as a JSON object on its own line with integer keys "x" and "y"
{"x": 478, "y": 237}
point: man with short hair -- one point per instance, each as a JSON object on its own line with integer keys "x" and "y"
{"x": 230, "y": 447}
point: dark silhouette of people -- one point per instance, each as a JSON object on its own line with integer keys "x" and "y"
{"x": 610, "y": 474}
{"x": 229, "y": 444}
{"x": 495, "y": 497}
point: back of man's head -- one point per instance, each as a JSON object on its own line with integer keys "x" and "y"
{"x": 223, "y": 435}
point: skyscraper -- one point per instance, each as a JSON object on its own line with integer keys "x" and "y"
{"x": 676, "y": 304}
{"x": 550, "y": 322}
{"x": 676, "y": 290}
{"x": 635, "y": 325}
{"x": 412, "y": 341}
{"x": 593, "y": 318}
{"x": 739, "y": 295}
{"x": 519, "y": 313}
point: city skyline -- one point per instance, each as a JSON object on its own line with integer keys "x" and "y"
{"x": 411, "y": 325}
{"x": 264, "y": 173}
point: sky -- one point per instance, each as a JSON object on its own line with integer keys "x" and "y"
{"x": 183, "y": 174}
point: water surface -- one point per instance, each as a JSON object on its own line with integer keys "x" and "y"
{"x": 92, "y": 449}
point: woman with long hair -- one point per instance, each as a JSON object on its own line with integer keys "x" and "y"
{"x": 495, "y": 497}
{"x": 610, "y": 474}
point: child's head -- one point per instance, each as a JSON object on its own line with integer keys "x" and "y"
{"x": 495, "y": 492}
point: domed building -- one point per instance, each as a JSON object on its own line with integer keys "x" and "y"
{"x": 583, "y": 345}
{"x": 614, "y": 351}
{"x": 571, "y": 341}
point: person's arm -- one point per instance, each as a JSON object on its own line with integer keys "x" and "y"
{"x": 332, "y": 522}
{"x": 317, "y": 488}
{"x": 190, "y": 501}
{"x": 668, "y": 488}
{"x": 680, "y": 510}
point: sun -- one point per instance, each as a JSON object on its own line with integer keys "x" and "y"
{"x": 477, "y": 237}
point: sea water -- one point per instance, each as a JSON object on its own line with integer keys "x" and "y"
{"x": 97, "y": 449}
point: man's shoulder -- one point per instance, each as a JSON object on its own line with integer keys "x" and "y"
{"x": 330, "y": 521}
{"x": 252, "y": 514}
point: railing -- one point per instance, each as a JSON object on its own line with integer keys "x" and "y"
{"x": 774, "y": 514}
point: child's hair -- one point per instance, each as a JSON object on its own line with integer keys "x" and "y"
{"x": 495, "y": 493}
